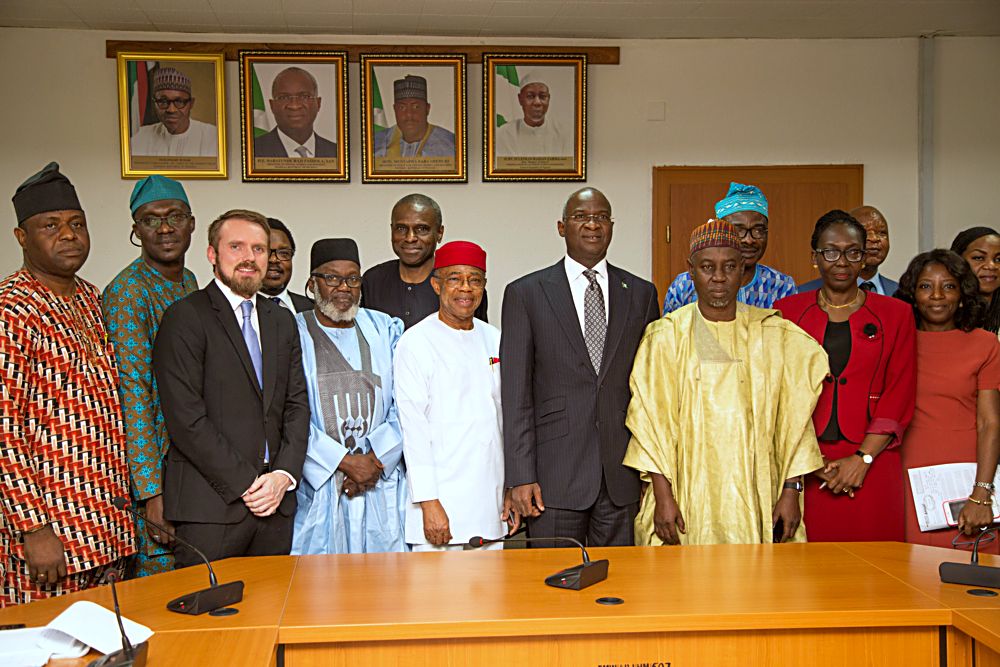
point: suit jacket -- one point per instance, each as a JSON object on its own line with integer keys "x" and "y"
{"x": 563, "y": 424}
{"x": 890, "y": 286}
{"x": 301, "y": 303}
{"x": 217, "y": 417}
{"x": 877, "y": 390}
{"x": 269, "y": 145}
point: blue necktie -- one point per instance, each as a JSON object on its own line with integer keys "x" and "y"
{"x": 253, "y": 347}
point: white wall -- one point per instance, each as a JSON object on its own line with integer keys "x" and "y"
{"x": 729, "y": 102}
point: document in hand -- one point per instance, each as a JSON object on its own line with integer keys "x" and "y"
{"x": 940, "y": 492}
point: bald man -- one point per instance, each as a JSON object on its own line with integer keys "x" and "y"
{"x": 295, "y": 103}
{"x": 876, "y": 249}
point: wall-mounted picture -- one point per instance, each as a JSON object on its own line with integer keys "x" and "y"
{"x": 413, "y": 118}
{"x": 293, "y": 115}
{"x": 172, "y": 116}
{"x": 534, "y": 117}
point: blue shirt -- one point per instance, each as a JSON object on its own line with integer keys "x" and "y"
{"x": 766, "y": 287}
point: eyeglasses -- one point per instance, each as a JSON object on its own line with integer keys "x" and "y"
{"x": 335, "y": 281}
{"x": 759, "y": 232}
{"x": 475, "y": 282}
{"x": 304, "y": 98}
{"x": 584, "y": 218}
{"x": 986, "y": 539}
{"x": 853, "y": 255}
{"x": 164, "y": 103}
{"x": 174, "y": 220}
{"x": 284, "y": 254}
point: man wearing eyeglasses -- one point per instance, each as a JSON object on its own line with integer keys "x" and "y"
{"x": 295, "y": 103}
{"x": 745, "y": 208}
{"x": 279, "y": 270}
{"x": 570, "y": 332}
{"x": 353, "y": 488}
{"x": 133, "y": 304}
{"x": 176, "y": 133}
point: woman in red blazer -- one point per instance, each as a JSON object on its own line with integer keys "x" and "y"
{"x": 867, "y": 398}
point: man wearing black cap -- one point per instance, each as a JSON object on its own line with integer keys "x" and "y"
{"x": 62, "y": 445}
{"x": 352, "y": 490}
{"x": 228, "y": 366}
{"x": 412, "y": 135}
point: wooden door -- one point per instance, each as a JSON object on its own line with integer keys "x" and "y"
{"x": 684, "y": 197}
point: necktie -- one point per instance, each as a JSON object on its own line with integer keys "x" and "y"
{"x": 250, "y": 338}
{"x": 277, "y": 300}
{"x": 302, "y": 151}
{"x": 595, "y": 324}
{"x": 868, "y": 286}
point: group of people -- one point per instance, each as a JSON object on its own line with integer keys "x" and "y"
{"x": 381, "y": 412}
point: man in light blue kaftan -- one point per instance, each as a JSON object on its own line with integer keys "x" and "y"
{"x": 352, "y": 496}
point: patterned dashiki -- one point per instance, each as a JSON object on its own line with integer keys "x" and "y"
{"x": 766, "y": 287}
{"x": 62, "y": 444}
{"x": 133, "y": 304}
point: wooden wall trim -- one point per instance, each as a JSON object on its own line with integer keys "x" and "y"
{"x": 596, "y": 55}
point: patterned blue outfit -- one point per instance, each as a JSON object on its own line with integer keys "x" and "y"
{"x": 766, "y": 287}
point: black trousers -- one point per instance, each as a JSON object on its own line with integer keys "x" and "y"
{"x": 253, "y": 536}
{"x": 603, "y": 524}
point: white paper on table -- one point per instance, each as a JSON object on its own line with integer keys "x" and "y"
{"x": 97, "y": 627}
{"x": 940, "y": 492}
{"x": 28, "y": 647}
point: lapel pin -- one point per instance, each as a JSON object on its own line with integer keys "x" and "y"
{"x": 624, "y": 286}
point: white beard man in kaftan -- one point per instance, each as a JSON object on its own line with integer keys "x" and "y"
{"x": 352, "y": 495}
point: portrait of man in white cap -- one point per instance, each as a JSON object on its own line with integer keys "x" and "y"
{"x": 412, "y": 135}
{"x": 176, "y": 133}
{"x": 536, "y": 133}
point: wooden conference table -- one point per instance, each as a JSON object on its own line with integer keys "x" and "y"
{"x": 770, "y": 605}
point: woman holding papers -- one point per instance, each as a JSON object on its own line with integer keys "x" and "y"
{"x": 957, "y": 416}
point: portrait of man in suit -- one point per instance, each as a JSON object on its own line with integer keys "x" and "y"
{"x": 570, "y": 334}
{"x": 228, "y": 365}
{"x": 295, "y": 103}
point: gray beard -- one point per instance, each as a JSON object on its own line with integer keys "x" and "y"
{"x": 720, "y": 303}
{"x": 331, "y": 312}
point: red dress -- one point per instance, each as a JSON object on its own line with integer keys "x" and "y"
{"x": 952, "y": 366}
{"x": 875, "y": 394}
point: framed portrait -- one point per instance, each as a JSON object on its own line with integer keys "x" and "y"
{"x": 172, "y": 116}
{"x": 293, "y": 115}
{"x": 413, "y": 120}
{"x": 534, "y": 117}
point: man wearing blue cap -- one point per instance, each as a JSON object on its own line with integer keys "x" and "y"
{"x": 133, "y": 304}
{"x": 745, "y": 208}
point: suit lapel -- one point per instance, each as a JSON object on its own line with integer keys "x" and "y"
{"x": 619, "y": 304}
{"x": 269, "y": 345}
{"x": 557, "y": 291}
{"x": 228, "y": 320}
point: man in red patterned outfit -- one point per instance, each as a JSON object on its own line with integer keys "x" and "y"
{"x": 62, "y": 444}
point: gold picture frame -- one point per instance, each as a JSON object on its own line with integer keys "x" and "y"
{"x": 431, "y": 91}
{"x": 304, "y": 137}
{"x": 188, "y": 142}
{"x": 545, "y": 137}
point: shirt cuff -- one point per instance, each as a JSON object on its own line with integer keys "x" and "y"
{"x": 289, "y": 476}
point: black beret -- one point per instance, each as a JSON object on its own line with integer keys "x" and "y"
{"x": 329, "y": 250}
{"x": 48, "y": 190}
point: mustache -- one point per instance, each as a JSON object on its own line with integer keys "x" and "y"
{"x": 247, "y": 265}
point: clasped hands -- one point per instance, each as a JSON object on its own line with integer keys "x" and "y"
{"x": 843, "y": 475}
{"x": 266, "y": 492}
{"x": 361, "y": 473}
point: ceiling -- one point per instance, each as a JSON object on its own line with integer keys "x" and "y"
{"x": 609, "y": 19}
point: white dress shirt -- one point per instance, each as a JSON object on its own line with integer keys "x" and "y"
{"x": 236, "y": 301}
{"x": 290, "y": 144}
{"x": 286, "y": 300}
{"x": 578, "y": 285}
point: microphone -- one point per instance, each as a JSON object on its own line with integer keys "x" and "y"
{"x": 128, "y": 656}
{"x": 574, "y": 578}
{"x": 972, "y": 574}
{"x": 215, "y": 599}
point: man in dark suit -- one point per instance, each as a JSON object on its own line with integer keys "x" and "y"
{"x": 569, "y": 336}
{"x": 279, "y": 270}
{"x": 295, "y": 103}
{"x": 876, "y": 248}
{"x": 228, "y": 366}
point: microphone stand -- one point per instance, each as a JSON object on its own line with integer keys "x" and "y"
{"x": 972, "y": 573}
{"x": 573, "y": 578}
{"x": 128, "y": 655}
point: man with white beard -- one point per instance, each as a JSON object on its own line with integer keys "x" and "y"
{"x": 352, "y": 495}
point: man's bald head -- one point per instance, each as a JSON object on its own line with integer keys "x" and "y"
{"x": 877, "y": 241}
{"x": 586, "y": 225}
{"x": 582, "y": 195}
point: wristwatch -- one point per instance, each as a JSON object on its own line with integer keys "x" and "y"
{"x": 797, "y": 485}
{"x": 867, "y": 458}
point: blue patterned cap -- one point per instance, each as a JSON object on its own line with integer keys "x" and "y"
{"x": 156, "y": 188}
{"x": 741, "y": 198}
